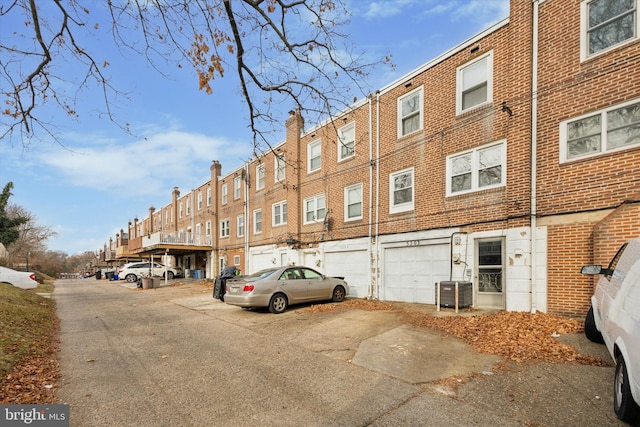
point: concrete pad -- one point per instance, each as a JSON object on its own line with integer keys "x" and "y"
{"x": 202, "y": 302}
{"x": 420, "y": 355}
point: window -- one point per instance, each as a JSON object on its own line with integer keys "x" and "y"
{"x": 260, "y": 177}
{"x": 199, "y": 200}
{"x": 188, "y": 204}
{"x": 607, "y": 23}
{"x": 611, "y": 129}
{"x": 225, "y": 193}
{"x": 240, "y": 226}
{"x": 478, "y": 169}
{"x": 474, "y": 83}
{"x": 198, "y": 230}
{"x": 315, "y": 209}
{"x": 237, "y": 183}
{"x": 224, "y": 228}
{"x": 280, "y": 213}
{"x": 280, "y": 168}
{"x": 180, "y": 210}
{"x": 209, "y": 196}
{"x": 314, "y": 156}
{"x": 410, "y": 113}
{"x": 346, "y": 141}
{"x": 236, "y": 260}
{"x": 353, "y": 202}
{"x": 207, "y": 228}
{"x": 401, "y": 191}
{"x": 257, "y": 221}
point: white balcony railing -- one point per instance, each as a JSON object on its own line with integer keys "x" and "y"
{"x": 176, "y": 238}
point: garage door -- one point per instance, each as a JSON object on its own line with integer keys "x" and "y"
{"x": 410, "y": 272}
{"x": 354, "y": 267}
{"x": 260, "y": 261}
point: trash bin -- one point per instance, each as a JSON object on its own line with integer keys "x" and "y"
{"x": 219, "y": 288}
{"x": 115, "y": 276}
{"x": 98, "y": 274}
{"x": 147, "y": 283}
{"x": 108, "y": 275}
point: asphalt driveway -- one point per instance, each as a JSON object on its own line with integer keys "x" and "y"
{"x": 174, "y": 356}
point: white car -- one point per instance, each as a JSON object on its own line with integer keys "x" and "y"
{"x": 19, "y": 279}
{"x": 614, "y": 318}
{"x": 134, "y": 270}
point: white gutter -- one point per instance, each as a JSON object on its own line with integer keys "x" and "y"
{"x": 377, "y": 164}
{"x": 371, "y": 249}
{"x": 534, "y": 155}
{"x": 247, "y": 223}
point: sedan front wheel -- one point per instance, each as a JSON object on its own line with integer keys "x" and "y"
{"x": 338, "y": 294}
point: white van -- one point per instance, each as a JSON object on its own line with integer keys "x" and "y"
{"x": 614, "y": 319}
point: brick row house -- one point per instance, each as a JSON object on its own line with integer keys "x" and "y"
{"x": 508, "y": 161}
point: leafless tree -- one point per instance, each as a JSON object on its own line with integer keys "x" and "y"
{"x": 283, "y": 52}
{"x": 32, "y": 240}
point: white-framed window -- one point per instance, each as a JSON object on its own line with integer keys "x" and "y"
{"x": 353, "y": 202}
{"x": 166, "y": 217}
{"x": 180, "y": 210}
{"x": 347, "y": 141}
{"x": 410, "y": 112}
{"x": 474, "y": 83}
{"x": 208, "y": 196}
{"x": 315, "y": 208}
{"x": 188, "y": 204}
{"x": 478, "y": 169}
{"x": 401, "y": 191}
{"x": 225, "y": 193}
{"x": 199, "y": 200}
{"x": 279, "y": 213}
{"x": 280, "y": 168}
{"x": 257, "y": 221}
{"x": 605, "y": 24}
{"x": 224, "y": 228}
{"x": 237, "y": 185}
{"x": 236, "y": 260}
{"x": 314, "y": 156}
{"x": 240, "y": 226}
{"x": 260, "y": 177}
{"x": 207, "y": 228}
{"x": 614, "y": 128}
{"x": 198, "y": 230}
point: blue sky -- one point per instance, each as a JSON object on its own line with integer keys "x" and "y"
{"x": 87, "y": 185}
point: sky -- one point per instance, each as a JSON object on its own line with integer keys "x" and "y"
{"x": 86, "y": 185}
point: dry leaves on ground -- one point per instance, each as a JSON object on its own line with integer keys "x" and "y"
{"x": 517, "y": 336}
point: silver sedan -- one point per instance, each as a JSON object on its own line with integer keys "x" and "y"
{"x": 279, "y": 287}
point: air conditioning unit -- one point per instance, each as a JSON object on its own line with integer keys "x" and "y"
{"x": 448, "y": 294}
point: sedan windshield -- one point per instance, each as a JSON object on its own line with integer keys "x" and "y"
{"x": 260, "y": 274}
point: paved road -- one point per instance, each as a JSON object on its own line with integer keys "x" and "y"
{"x": 175, "y": 357}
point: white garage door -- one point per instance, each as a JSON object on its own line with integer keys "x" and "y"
{"x": 354, "y": 267}
{"x": 410, "y": 272}
{"x": 260, "y": 261}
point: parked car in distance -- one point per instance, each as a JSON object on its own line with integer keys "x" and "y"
{"x": 614, "y": 319}
{"x": 19, "y": 279}
{"x": 280, "y": 287}
{"x": 133, "y": 270}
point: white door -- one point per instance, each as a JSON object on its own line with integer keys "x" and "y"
{"x": 490, "y": 273}
{"x": 354, "y": 267}
{"x": 410, "y": 272}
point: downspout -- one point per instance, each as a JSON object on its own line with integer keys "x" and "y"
{"x": 534, "y": 154}
{"x": 247, "y": 222}
{"x": 377, "y": 164}
{"x": 371, "y": 248}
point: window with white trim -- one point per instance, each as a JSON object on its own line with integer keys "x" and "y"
{"x": 347, "y": 141}
{"x": 353, "y": 202}
{"x": 315, "y": 209}
{"x": 260, "y": 177}
{"x": 180, "y": 210}
{"x": 224, "y": 228}
{"x": 279, "y": 213}
{"x": 207, "y": 228}
{"x": 606, "y": 24}
{"x": 199, "y": 200}
{"x": 236, "y": 260}
{"x": 225, "y": 193}
{"x": 208, "y": 196}
{"x": 280, "y": 168}
{"x": 237, "y": 184}
{"x": 478, "y": 169}
{"x": 240, "y": 226}
{"x": 257, "y": 221}
{"x": 410, "y": 112}
{"x": 188, "y": 204}
{"x": 314, "y": 156}
{"x": 611, "y": 129}
{"x": 474, "y": 83}
{"x": 198, "y": 230}
{"x": 401, "y": 191}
